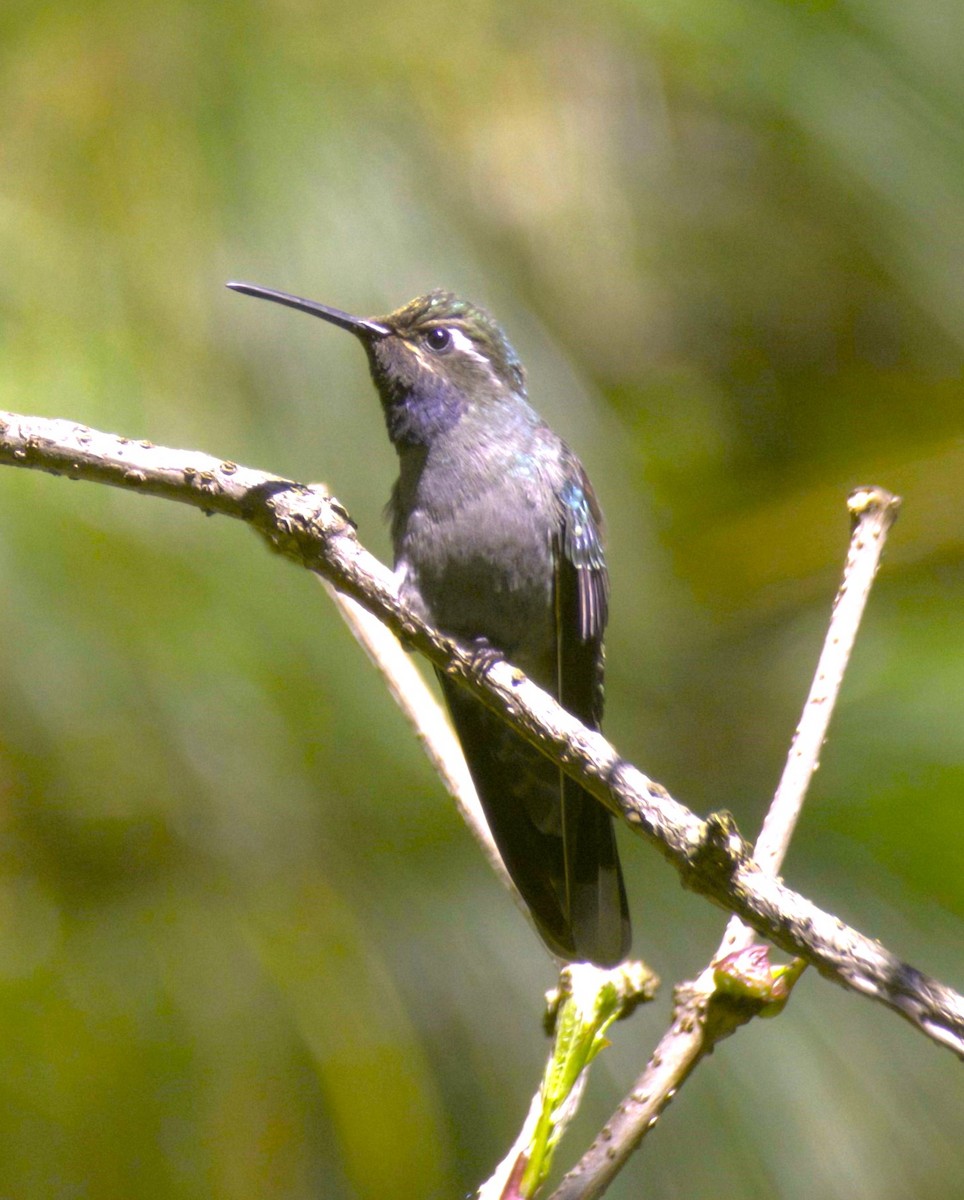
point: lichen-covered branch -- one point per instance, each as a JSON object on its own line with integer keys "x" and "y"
{"x": 307, "y": 525}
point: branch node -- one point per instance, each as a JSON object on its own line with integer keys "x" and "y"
{"x": 720, "y": 852}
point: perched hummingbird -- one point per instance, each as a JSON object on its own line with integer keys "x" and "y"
{"x": 497, "y": 538}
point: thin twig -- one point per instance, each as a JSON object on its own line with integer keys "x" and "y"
{"x": 701, "y": 1016}
{"x": 305, "y": 524}
{"x": 411, "y": 693}
{"x": 872, "y": 511}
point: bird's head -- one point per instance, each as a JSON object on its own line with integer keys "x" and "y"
{"x": 432, "y": 360}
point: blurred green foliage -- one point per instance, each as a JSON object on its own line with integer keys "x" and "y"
{"x": 246, "y": 949}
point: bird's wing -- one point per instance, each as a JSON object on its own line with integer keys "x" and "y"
{"x": 595, "y": 895}
{"x": 581, "y": 600}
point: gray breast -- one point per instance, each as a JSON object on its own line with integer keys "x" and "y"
{"x": 473, "y": 548}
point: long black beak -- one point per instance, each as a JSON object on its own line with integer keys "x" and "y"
{"x": 359, "y": 326}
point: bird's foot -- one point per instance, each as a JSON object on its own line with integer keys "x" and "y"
{"x": 484, "y": 656}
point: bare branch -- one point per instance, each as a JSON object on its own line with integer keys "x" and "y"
{"x": 424, "y": 713}
{"x": 307, "y": 525}
{"x": 873, "y": 511}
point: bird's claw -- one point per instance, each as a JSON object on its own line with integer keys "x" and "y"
{"x": 484, "y": 655}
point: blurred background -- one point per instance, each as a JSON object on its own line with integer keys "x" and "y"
{"x": 246, "y": 948}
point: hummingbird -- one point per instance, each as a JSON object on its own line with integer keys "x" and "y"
{"x": 497, "y": 540}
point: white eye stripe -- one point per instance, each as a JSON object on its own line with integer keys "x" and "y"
{"x": 464, "y": 345}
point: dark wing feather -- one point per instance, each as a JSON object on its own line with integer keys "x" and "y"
{"x": 519, "y": 791}
{"x": 596, "y": 897}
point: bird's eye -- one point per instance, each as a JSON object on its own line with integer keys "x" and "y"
{"x": 438, "y": 339}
